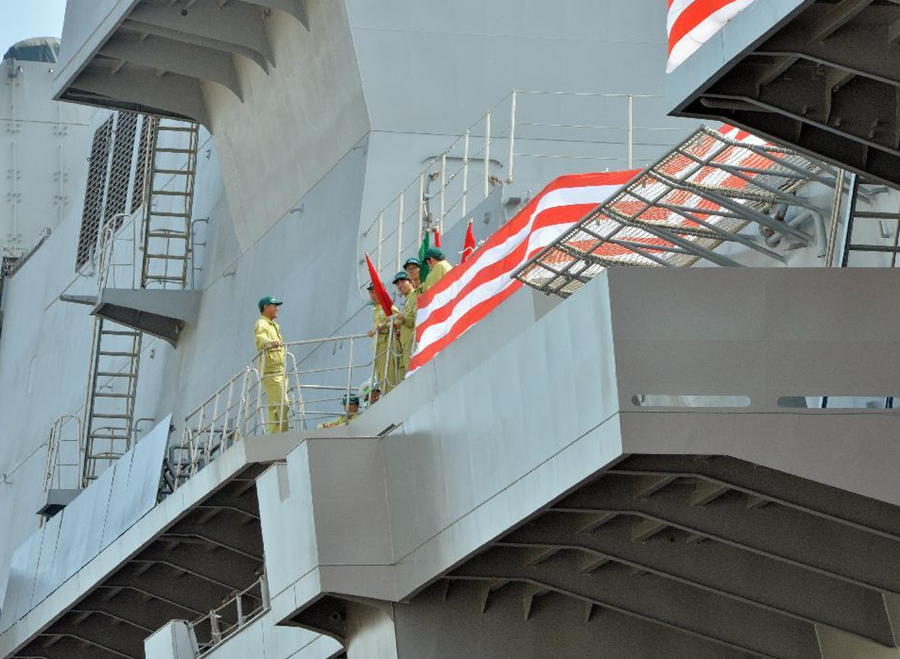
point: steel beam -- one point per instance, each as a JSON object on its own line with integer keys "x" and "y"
{"x": 649, "y": 597}
{"x": 781, "y": 533}
{"x": 720, "y": 569}
{"x": 176, "y": 57}
{"x": 235, "y": 23}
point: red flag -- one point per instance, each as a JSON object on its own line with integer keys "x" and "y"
{"x": 437, "y": 238}
{"x": 469, "y": 244}
{"x": 383, "y": 298}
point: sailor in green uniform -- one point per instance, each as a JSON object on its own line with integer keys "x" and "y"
{"x": 387, "y": 346}
{"x": 351, "y": 411}
{"x": 413, "y": 269}
{"x": 405, "y": 322}
{"x": 438, "y": 267}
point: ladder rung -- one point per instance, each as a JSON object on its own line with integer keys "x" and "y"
{"x": 175, "y": 172}
{"x": 874, "y": 248}
{"x": 104, "y": 415}
{"x": 105, "y": 374}
{"x": 160, "y": 278}
{"x": 873, "y": 215}
{"x": 170, "y": 193}
{"x": 177, "y": 129}
{"x": 108, "y": 436}
{"x": 105, "y": 456}
{"x": 167, "y": 257}
{"x": 166, "y": 233}
{"x": 103, "y": 394}
{"x": 162, "y": 214}
{"x": 117, "y": 354}
{"x": 170, "y": 150}
{"x": 118, "y": 333}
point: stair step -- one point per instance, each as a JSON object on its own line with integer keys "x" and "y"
{"x": 106, "y": 374}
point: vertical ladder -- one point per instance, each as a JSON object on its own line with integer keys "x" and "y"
{"x": 111, "y": 395}
{"x": 857, "y": 220}
{"x": 168, "y": 205}
{"x": 860, "y": 221}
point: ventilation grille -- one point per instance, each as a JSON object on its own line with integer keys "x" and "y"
{"x": 93, "y": 195}
{"x": 120, "y": 168}
{"x": 114, "y": 172}
{"x": 145, "y": 151}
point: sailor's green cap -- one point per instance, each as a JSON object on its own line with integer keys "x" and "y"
{"x": 434, "y": 253}
{"x": 400, "y": 276}
{"x": 412, "y": 261}
{"x": 268, "y": 299}
{"x": 353, "y": 400}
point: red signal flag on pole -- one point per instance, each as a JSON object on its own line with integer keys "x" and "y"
{"x": 437, "y": 238}
{"x": 380, "y": 293}
{"x": 469, "y": 244}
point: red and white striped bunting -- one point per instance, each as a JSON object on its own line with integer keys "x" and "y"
{"x": 472, "y": 290}
{"x": 691, "y": 23}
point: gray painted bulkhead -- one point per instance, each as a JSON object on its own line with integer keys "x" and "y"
{"x": 292, "y": 173}
{"x": 378, "y": 514}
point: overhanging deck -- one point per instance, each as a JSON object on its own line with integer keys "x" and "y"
{"x": 817, "y": 74}
{"x": 178, "y": 561}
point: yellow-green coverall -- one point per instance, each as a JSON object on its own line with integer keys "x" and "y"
{"x": 271, "y": 372}
{"x": 437, "y": 273}
{"x": 407, "y": 327}
{"x": 387, "y": 350}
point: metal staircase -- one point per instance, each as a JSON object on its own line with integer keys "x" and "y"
{"x": 171, "y": 171}
{"x": 111, "y": 394}
{"x": 857, "y": 220}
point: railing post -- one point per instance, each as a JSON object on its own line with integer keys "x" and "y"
{"x": 239, "y": 605}
{"x": 465, "y": 184}
{"x": 443, "y": 189}
{"x": 630, "y": 130}
{"x": 421, "y": 205}
{"x": 215, "y": 634}
{"x": 487, "y": 155}
{"x": 512, "y": 138}
{"x": 400, "y": 229}
{"x": 380, "y": 234}
{"x": 350, "y": 372}
{"x": 264, "y": 591}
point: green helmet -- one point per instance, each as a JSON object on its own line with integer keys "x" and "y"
{"x": 434, "y": 253}
{"x": 269, "y": 300}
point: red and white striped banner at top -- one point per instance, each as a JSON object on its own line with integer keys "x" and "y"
{"x": 691, "y": 23}
{"x": 472, "y": 290}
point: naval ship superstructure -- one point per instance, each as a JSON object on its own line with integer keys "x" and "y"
{"x": 617, "y": 462}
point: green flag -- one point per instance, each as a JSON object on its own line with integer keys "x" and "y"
{"x": 423, "y": 267}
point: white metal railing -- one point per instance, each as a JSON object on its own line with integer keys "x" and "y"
{"x": 219, "y": 624}
{"x": 557, "y": 129}
{"x": 63, "y": 465}
{"x": 311, "y": 395}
